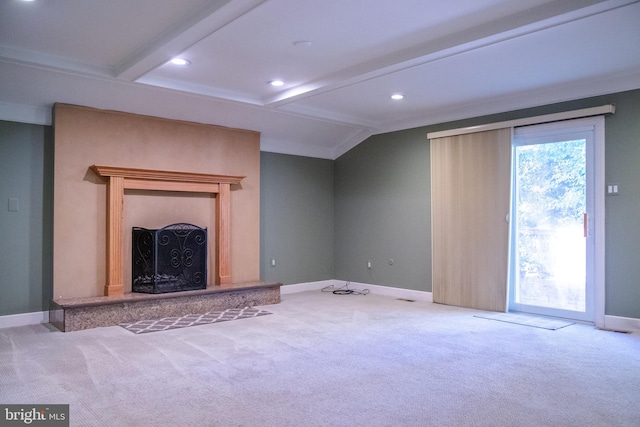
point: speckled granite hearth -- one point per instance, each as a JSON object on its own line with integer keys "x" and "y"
{"x": 86, "y": 313}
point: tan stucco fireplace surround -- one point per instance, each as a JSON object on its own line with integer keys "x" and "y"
{"x": 96, "y": 205}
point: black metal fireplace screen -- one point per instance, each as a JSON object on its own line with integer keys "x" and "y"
{"x": 171, "y": 259}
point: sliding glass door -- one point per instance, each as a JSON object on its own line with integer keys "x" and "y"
{"x": 552, "y": 250}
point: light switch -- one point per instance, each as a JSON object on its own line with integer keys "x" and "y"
{"x": 613, "y": 189}
{"x": 14, "y": 204}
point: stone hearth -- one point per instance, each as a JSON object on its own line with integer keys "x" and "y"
{"x": 74, "y": 314}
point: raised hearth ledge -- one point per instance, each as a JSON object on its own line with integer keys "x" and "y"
{"x": 74, "y": 314}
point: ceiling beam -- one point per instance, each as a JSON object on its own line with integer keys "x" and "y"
{"x": 520, "y": 24}
{"x": 183, "y": 35}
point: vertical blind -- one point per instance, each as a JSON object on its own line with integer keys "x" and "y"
{"x": 470, "y": 190}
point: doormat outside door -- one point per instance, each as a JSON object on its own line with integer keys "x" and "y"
{"x": 527, "y": 320}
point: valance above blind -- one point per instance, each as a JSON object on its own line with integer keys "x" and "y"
{"x": 526, "y": 121}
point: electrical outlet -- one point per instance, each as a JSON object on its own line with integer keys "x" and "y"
{"x": 14, "y": 204}
{"x": 273, "y": 262}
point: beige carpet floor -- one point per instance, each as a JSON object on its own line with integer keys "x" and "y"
{"x": 330, "y": 360}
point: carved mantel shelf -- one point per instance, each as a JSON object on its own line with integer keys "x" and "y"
{"x": 121, "y": 179}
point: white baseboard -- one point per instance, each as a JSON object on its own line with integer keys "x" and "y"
{"x": 614, "y": 323}
{"x": 625, "y": 324}
{"x": 24, "y": 319}
{"x": 390, "y": 291}
{"x": 374, "y": 289}
{"x": 304, "y": 287}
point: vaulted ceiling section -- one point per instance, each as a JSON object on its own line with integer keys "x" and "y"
{"x": 339, "y": 61}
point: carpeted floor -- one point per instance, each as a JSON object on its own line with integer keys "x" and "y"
{"x": 330, "y": 360}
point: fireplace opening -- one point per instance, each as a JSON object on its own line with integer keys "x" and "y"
{"x": 170, "y": 259}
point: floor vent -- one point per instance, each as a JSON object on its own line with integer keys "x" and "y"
{"x": 406, "y": 300}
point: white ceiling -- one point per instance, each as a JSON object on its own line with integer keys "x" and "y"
{"x": 451, "y": 60}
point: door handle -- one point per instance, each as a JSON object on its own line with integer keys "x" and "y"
{"x": 585, "y": 224}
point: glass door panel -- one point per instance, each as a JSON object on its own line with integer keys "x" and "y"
{"x": 550, "y": 214}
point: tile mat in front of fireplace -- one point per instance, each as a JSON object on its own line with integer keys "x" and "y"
{"x": 166, "y": 323}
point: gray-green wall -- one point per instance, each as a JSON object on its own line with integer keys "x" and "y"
{"x": 382, "y": 193}
{"x": 26, "y": 171}
{"x": 296, "y": 219}
{"x": 323, "y": 219}
{"x": 382, "y": 198}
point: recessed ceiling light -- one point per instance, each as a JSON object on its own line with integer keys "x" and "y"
{"x": 180, "y": 61}
{"x": 397, "y": 96}
{"x": 276, "y": 83}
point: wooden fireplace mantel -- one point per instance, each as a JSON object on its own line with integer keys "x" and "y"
{"x": 121, "y": 179}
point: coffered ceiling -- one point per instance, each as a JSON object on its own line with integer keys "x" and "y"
{"x": 339, "y": 60}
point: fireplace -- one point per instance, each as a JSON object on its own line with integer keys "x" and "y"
{"x": 171, "y": 259}
{"x": 121, "y": 179}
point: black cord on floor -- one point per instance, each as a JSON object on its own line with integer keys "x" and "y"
{"x": 344, "y": 290}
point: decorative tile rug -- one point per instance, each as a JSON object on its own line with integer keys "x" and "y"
{"x": 164, "y": 324}
{"x": 527, "y": 320}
